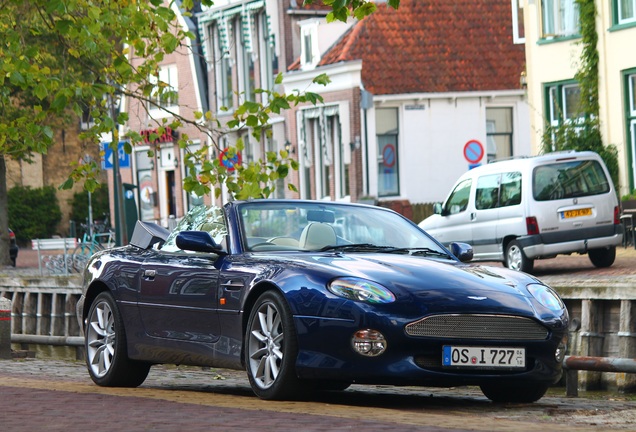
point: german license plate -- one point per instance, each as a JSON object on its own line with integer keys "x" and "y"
{"x": 576, "y": 213}
{"x": 484, "y": 357}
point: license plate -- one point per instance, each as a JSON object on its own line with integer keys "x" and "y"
{"x": 484, "y": 357}
{"x": 576, "y": 213}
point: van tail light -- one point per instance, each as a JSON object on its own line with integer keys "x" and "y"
{"x": 617, "y": 215}
{"x": 532, "y": 225}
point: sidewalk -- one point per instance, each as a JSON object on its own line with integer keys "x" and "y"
{"x": 561, "y": 268}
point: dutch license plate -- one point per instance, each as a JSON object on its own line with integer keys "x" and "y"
{"x": 576, "y": 213}
{"x": 484, "y": 357}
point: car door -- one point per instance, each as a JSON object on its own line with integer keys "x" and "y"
{"x": 178, "y": 296}
{"x": 455, "y": 221}
{"x": 484, "y": 217}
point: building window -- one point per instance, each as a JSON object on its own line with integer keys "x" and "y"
{"x": 625, "y": 11}
{"x": 223, "y": 63}
{"x": 498, "y": 133}
{"x": 564, "y": 103}
{"x": 270, "y": 59}
{"x": 193, "y": 200}
{"x": 518, "y": 32}
{"x": 247, "y": 71}
{"x": 309, "y": 52}
{"x": 560, "y": 18}
{"x": 630, "y": 80}
{"x": 387, "y": 131}
{"x": 165, "y": 94}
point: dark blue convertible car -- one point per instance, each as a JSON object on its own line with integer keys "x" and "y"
{"x": 308, "y": 296}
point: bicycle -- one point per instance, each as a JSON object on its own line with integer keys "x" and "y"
{"x": 100, "y": 240}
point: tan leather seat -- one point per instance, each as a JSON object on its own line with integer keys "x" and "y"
{"x": 317, "y": 235}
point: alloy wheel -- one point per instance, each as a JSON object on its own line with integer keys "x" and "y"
{"x": 100, "y": 339}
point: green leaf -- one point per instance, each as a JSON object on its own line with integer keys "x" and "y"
{"x": 322, "y": 79}
{"x": 365, "y": 10}
{"x": 279, "y": 78}
{"x": 169, "y": 42}
{"x": 68, "y": 184}
{"x": 41, "y": 91}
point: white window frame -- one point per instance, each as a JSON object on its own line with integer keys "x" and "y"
{"x": 631, "y": 80}
{"x": 631, "y": 88}
{"x": 309, "y": 33}
{"x": 517, "y": 22}
{"x": 168, "y": 74}
{"x": 560, "y": 18}
{"x": 620, "y": 13}
{"x": 223, "y": 67}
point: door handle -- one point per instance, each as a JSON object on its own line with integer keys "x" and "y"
{"x": 150, "y": 274}
{"x": 473, "y": 216}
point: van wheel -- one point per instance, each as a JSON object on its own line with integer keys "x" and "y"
{"x": 516, "y": 259}
{"x": 602, "y": 257}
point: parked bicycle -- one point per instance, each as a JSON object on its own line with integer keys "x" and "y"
{"x": 103, "y": 237}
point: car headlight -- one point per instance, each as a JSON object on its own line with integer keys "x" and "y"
{"x": 360, "y": 290}
{"x": 546, "y": 296}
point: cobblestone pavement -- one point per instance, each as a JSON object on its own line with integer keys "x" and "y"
{"x": 58, "y": 395}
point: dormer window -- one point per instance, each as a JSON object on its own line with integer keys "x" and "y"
{"x": 309, "y": 52}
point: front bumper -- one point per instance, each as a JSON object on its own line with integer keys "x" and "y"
{"x": 325, "y": 352}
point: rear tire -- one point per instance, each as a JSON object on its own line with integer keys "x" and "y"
{"x": 602, "y": 257}
{"x": 105, "y": 343}
{"x": 516, "y": 259}
{"x": 514, "y": 393}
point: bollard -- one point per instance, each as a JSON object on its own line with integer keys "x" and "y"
{"x": 5, "y": 328}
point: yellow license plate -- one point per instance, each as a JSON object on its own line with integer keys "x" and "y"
{"x": 576, "y": 213}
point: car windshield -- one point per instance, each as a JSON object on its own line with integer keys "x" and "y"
{"x": 303, "y": 226}
{"x": 200, "y": 218}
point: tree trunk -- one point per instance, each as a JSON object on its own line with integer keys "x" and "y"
{"x": 4, "y": 215}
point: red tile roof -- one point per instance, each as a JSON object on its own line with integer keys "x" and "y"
{"x": 434, "y": 46}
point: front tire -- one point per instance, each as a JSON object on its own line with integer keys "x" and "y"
{"x": 271, "y": 349}
{"x": 105, "y": 343}
{"x": 602, "y": 257}
{"x": 520, "y": 393}
{"x": 516, "y": 259}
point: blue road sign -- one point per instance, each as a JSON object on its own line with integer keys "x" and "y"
{"x": 124, "y": 158}
{"x": 473, "y": 151}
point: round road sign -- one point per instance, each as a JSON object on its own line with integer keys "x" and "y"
{"x": 473, "y": 151}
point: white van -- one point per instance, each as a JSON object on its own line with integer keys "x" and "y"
{"x": 522, "y": 209}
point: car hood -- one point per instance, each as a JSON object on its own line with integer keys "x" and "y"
{"x": 431, "y": 222}
{"x": 437, "y": 285}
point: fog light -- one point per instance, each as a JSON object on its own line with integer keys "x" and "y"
{"x": 559, "y": 355}
{"x": 368, "y": 342}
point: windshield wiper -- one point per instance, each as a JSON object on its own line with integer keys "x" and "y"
{"x": 419, "y": 251}
{"x": 356, "y": 247}
{"x": 369, "y": 247}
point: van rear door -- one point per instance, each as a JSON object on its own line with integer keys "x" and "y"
{"x": 571, "y": 199}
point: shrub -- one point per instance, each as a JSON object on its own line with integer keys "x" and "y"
{"x": 33, "y": 213}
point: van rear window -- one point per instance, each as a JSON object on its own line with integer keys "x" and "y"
{"x": 569, "y": 180}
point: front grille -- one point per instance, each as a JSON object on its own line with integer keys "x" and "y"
{"x": 486, "y": 327}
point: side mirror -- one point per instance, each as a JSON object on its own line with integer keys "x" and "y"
{"x": 198, "y": 241}
{"x": 463, "y": 251}
{"x": 437, "y": 208}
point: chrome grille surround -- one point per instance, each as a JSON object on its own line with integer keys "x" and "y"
{"x": 477, "y": 326}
